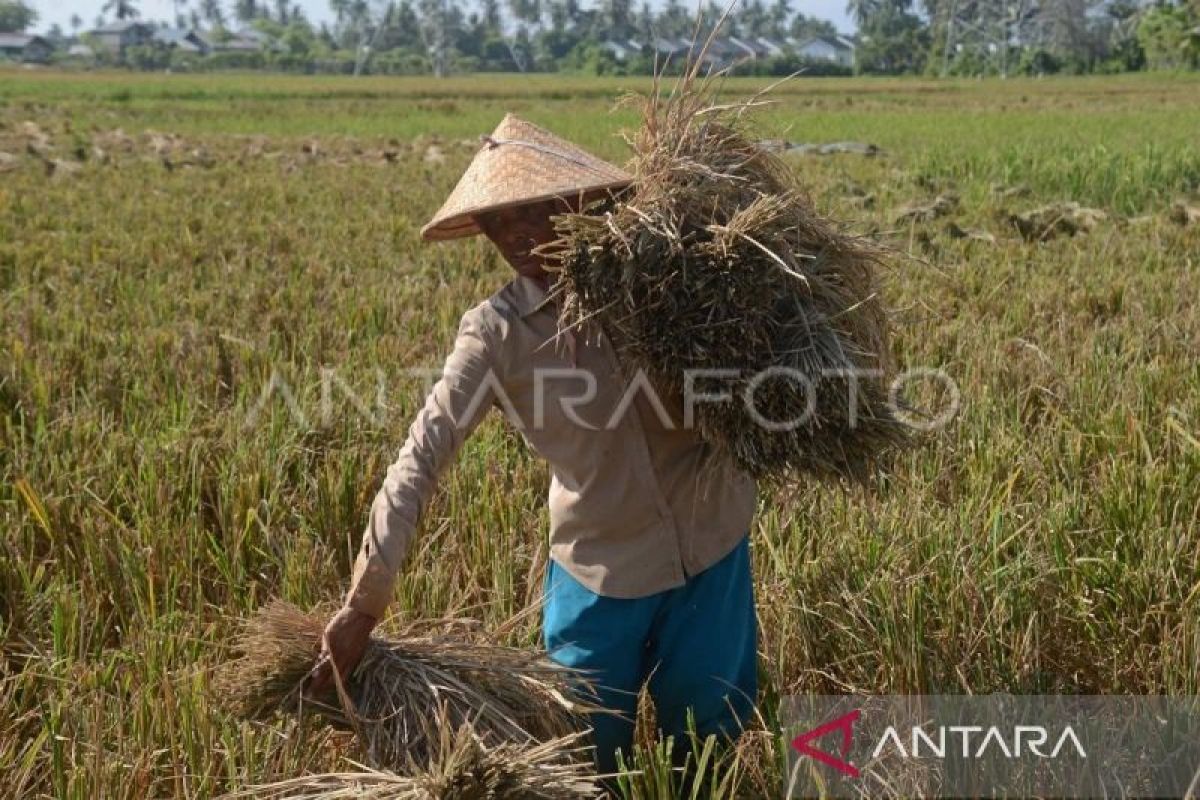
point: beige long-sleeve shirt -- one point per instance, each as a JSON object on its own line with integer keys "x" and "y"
{"x": 637, "y": 500}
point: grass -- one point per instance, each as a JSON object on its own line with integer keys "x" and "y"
{"x": 1047, "y": 540}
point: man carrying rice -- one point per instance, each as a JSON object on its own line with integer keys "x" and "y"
{"x": 649, "y": 573}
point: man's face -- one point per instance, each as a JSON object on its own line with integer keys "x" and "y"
{"x": 518, "y": 229}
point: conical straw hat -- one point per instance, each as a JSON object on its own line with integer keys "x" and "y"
{"x": 519, "y": 163}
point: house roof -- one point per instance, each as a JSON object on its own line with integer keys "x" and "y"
{"x": 723, "y": 47}
{"x": 179, "y": 36}
{"x": 618, "y": 49}
{"x": 254, "y": 34}
{"x": 745, "y": 46}
{"x": 120, "y": 26}
{"x": 22, "y": 40}
{"x": 836, "y": 42}
{"x": 721, "y": 51}
{"x": 238, "y": 43}
{"x": 773, "y": 47}
{"x": 663, "y": 45}
{"x": 760, "y": 46}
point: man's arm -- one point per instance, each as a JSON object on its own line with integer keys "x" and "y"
{"x": 454, "y": 408}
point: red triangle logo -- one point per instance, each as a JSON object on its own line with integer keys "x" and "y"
{"x": 845, "y": 724}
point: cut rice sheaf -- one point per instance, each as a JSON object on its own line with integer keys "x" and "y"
{"x": 421, "y": 706}
{"x": 714, "y": 259}
{"x": 462, "y": 766}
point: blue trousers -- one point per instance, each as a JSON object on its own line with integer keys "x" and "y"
{"x": 696, "y": 643}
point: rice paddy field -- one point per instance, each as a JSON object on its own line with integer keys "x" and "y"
{"x": 214, "y": 307}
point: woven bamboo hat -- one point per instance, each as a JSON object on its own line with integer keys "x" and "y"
{"x": 519, "y": 163}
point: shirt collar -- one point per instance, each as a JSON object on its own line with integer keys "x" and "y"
{"x": 529, "y": 296}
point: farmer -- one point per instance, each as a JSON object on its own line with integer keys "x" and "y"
{"x": 649, "y": 563}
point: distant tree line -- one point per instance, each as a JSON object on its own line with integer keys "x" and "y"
{"x": 931, "y": 37}
{"x": 971, "y": 37}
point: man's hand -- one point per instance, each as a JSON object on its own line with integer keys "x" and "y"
{"x": 343, "y": 644}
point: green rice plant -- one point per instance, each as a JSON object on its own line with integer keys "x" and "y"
{"x": 154, "y": 487}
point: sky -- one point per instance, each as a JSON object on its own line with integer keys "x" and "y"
{"x": 60, "y": 11}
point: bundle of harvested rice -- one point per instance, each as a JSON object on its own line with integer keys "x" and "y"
{"x": 406, "y": 690}
{"x": 463, "y": 766}
{"x": 714, "y": 259}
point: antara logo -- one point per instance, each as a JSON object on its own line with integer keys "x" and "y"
{"x": 845, "y": 724}
{"x": 1023, "y": 738}
{"x": 974, "y": 740}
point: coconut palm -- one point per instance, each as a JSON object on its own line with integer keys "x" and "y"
{"x": 245, "y": 11}
{"x": 489, "y": 13}
{"x": 779, "y": 15}
{"x": 212, "y": 12}
{"x": 862, "y": 10}
{"x": 339, "y": 8}
{"x": 617, "y": 18}
{"x": 753, "y": 18}
{"x": 526, "y": 10}
{"x": 122, "y": 9}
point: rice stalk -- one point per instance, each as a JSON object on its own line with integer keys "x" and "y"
{"x": 463, "y": 767}
{"x": 405, "y": 691}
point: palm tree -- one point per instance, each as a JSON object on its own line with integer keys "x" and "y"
{"x": 526, "y": 10}
{"x": 245, "y": 11}
{"x": 753, "y": 17}
{"x": 862, "y": 10}
{"x": 675, "y": 20}
{"x": 618, "y": 19}
{"x": 490, "y": 14}
{"x": 123, "y": 9}
{"x": 76, "y": 23}
{"x": 211, "y": 11}
{"x": 644, "y": 24}
{"x": 339, "y": 7}
{"x": 574, "y": 12}
{"x": 780, "y": 14}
